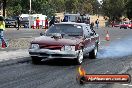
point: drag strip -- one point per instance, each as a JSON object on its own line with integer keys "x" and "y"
{"x": 61, "y": 73}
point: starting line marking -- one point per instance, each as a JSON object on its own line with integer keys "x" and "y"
{"x": 126, "y": 85}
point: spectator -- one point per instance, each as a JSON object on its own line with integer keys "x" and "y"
{"x": 2, "y": 28}
{"x": 88, "y": 21}
{"x": 37, "y": 23}
{"x": 92, "y": 25}
{"x": 46, "y": 24}
{"x": 18, "y": 23}
{"x": 112, "y": 23}
{"x": 52, "y": 21}
{"x": 79, "y": 20}
{"x": 97, "y": 23}
{"x": 65, "y": 19}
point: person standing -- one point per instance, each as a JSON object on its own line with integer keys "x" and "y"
{"x": 37, "y": 23}
{"x": 52, "y": 21}
{"x": 46, "y": 23}
{"x": 97, "y": 23}
{"x": 92, "y": 25}
{"x": 18, "y": 23}
{"x": 2, "y": 28}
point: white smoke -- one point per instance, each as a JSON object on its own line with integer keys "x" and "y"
{"x": 8, "y": 55}
{"x": 116, "y": 49}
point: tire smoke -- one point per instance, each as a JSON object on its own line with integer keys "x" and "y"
{"x": 116, "y": 49}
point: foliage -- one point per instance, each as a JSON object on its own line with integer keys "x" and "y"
{"x": 129, "y": 9}
{"x": 114, "y": 9}
{"x": 49, "y": 7}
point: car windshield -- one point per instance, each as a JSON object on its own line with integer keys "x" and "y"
{"x": 68, "y": 29}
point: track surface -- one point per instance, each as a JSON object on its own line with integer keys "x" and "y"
{"x": 60, "y": 73}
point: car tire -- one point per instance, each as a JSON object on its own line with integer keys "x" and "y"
{"x": 36, "y": 60}
{"x": 93, "y": 53}
{"x": 79, "y": 58}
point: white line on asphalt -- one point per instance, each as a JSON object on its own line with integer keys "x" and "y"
{"x": 126, "y": 85}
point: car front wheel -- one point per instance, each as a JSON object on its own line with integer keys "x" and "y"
{"x": 79, "y": 58}
{"x": 36, "y": 60}
{"x": 93, "y": 53}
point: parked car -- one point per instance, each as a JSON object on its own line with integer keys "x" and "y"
{"x": 117, "y": 24}
{"x": 125, "y": 24}
{"x": 130, "y": 25}
{"x": 10, "y": 22}
{"x": 65, "y": 40}
{"x": 24, "y": 23}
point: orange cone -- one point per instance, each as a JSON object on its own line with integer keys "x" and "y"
{"x": 33, "y": 27}
{"x": 3, "y": 44}
{"x": 107, "y": 38}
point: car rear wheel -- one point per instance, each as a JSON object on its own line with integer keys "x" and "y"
{"x": 93, "y": 53}
{"x": 79, "y": 58}
{"x": 36, "y": 60}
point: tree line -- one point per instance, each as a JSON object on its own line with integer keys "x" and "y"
{"x": 49, "y": 7}
{"x": 114, "y": 9}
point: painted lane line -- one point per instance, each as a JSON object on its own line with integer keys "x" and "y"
{"x": 126, "y": 85}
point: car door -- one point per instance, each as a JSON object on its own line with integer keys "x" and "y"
{"x": 87, "y": 40}
{"x": 94, "y": 37}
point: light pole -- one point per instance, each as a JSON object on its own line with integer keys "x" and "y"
{"x": 30, "y": 14}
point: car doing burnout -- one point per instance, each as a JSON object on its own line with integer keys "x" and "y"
{"x": 65, "y": 40}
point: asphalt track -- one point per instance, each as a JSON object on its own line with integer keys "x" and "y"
{"x": 114, "y": 57}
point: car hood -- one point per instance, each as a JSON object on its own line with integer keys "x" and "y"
{"x": 48, "y": 40}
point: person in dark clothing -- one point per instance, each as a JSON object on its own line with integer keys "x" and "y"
{"x": 52, "y": 21}
{"x": 79, "y": 20}
{"x": 92, "y": 25}
{"x": 65, "y": 19}
{"x": 97, "y": 23}
{"x": 18, "y": 23}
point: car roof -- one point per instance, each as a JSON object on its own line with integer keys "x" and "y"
{"x": 73, "y": 23}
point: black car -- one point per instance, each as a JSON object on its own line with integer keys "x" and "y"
{"x": 10, "y": 23}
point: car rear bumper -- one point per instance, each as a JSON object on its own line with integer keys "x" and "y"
{"x": 45, "y": 53}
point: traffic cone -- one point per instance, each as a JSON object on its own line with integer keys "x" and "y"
{"x": 33, "y": 27}
{"x": 107, "y": 38}
{"x": 3, "y": 44}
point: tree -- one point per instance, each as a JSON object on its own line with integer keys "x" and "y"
{"x": 49, "y": 7}
{"x": 58, "y": 5}
{"x": 70, "y": 5}
{"x": 129, "y": 9}
{"x": 95, "y": 6}
{"x": 114, "y": 9}
{"x": 13, "y": 7}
